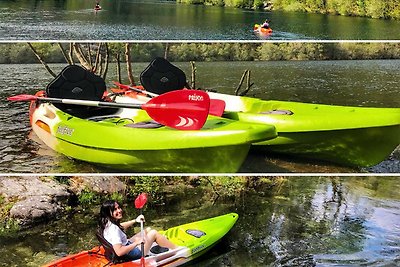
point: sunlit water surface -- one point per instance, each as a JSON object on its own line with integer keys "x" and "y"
{"x": 167, "y": 20}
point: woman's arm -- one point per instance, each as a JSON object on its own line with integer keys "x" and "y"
{"x": 128, "y": 224}
{"x": 121, "y": 250}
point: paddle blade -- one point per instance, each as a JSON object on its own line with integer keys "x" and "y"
{"x": 180, "y": 109}
{"x": 217, "y": 107}
{"x": 141, "y": 200}
{"x": 22, "y": 98}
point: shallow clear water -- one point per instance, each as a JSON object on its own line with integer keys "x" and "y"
{"x": 305, "y": 221}
{"x": 166, "y": 20}
{"x": 357, "y": 83}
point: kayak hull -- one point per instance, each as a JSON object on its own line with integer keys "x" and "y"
{"x": 220, "y": 146}
{"x": 351, "y": 136}
{"x": 193, "y": 239}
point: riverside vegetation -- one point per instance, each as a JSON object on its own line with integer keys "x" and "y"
{"x": 68, "y": 195}
{"x": 145, "y": 52}
{"x": 386, "y": 9}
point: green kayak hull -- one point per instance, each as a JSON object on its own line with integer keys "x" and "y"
{"x": 119, "y": 141}
{"x": 194, "y": 239}
{"x": 352, "y": 136}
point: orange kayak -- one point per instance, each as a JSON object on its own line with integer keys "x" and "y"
{"x": 193, "y": 240}
{"x": 261, "y": 30}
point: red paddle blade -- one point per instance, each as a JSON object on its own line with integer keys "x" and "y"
{"x": 22, "y": 98}
{"x": 141, "y": 200}
{"x": 180, "y": 109}
{"x": 217, "y": 107}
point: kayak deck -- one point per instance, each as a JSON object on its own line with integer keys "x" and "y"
{"x": 352, "y": 136}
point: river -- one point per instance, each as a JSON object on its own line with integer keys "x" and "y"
{"x": 358, "y": 83}
{"x": 167, "y": 20}
{"x": 305, "y": 221}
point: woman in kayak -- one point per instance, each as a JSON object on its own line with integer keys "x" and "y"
{"x": 114, "y": 232}
{"x": 266, "y": 24}
{"x": 97, "y": 6}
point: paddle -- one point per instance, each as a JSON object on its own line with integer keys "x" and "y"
{"x": 181, "y": 109}
{"x": 140, "y": 201}
{"x": 217, "y": 106}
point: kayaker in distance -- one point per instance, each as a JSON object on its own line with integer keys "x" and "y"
{"x": 97, "y": 6}
{"x": 114, "y": 232}
{"x": 266, "y": 24}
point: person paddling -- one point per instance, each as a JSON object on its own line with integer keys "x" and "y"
{"x": 113, "y": 231}
{"x": 266, "y": 24}
{"x": 97, "y": 6}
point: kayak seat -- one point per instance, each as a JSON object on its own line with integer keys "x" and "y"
{"x": 109, "y": 250}
{"x": 75, "y": 82}
{"x": 160, "y": 76}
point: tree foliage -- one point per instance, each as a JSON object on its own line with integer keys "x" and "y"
{"x": 145, "y": 52}
{"x": 387, "y": 9}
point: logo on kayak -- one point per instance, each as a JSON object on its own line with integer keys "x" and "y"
{"x": 164, "y": 79}
{"x": 185, "y": 122}
{"x": 197, "y": 249}
{"x": 195, "y": 97}
{"x": 64, "y": 130}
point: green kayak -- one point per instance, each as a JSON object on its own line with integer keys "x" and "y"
{"x": 128, "y": 140}
{"x": 352, "y": 136}
{"x": 193, "y": 239}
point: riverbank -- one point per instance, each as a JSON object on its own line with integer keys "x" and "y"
{"x": 27, "y": 201}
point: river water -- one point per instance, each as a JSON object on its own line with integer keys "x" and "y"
{"x": 358, "y": 83}
{"x": 167, "y": 20}
{"x": 305, "y": 221}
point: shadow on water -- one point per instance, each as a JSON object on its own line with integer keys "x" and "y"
{"x": 301, "y": 221}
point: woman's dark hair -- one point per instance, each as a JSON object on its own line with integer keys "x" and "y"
{"x": 106, "y": 211}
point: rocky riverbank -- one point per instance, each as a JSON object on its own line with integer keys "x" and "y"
{"x": 29, "y": 200}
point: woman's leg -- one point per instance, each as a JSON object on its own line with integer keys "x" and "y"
{"x": 154, "y": 236}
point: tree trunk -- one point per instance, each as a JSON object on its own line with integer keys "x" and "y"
{"x": 71, "y": 52}
{"x": 118, "y": 67}
{"x": 166, "y": 51}
{"x": 98, "y": 57}
{"x": 106, "y": 61}
{"x": 65, "y": 54}
{"x": 81, "y": 57}
{"x": 193, "y": 79}
{"x": 128, "y": 63}
{"x": 41, "y": 60}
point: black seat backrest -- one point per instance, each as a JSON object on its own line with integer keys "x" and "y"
{"x": 75, "y": 82}
{"x": 109, "y": 250}
{"x": 160, "y": 76}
